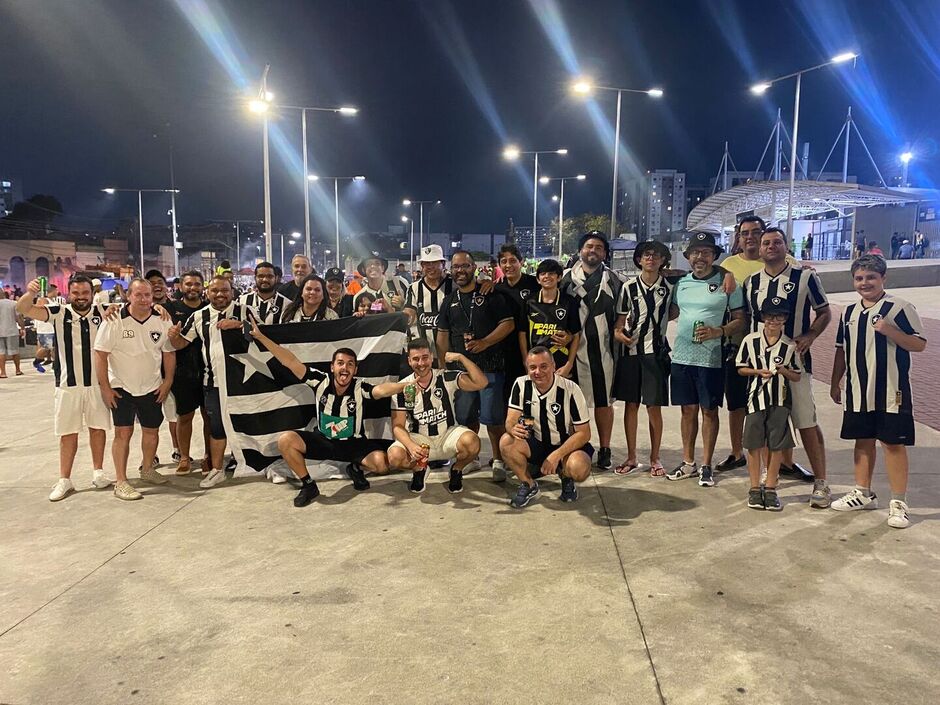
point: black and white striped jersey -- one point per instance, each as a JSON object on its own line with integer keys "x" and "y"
{"x": 269, "y": 311}
{"x": 757, "y": 353}
{"x": 556, "y": 412}
{"x": 433, "y": 411}
{"x": 74, "y": 344}
{"x": 877, "y": 376}
{"x": 327, "y": 314}
{"x": 426, "y": 302}
{"x": 392, "y": 286}
{"x": 802, "y": 291}
{"x": 339, "y": 417}
{"x": 647, "y": 312}
{"x": 201, "y": 326}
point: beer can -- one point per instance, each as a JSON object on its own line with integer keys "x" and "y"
{"x": 423, "y": 463}
{"x": 43, "y": 286}
{"x": 695, "y": 327}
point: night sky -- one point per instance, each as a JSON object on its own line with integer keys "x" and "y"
{"x": 92, "y": 93}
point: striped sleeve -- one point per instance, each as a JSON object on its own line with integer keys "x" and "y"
{"x": 623, "y": 305}
{"x": 313, "y": 376}
{"x": 744, "y": 353}
{"x": 515, "y": 396}
{"x": 908, "y": 321}
{"x": 579, "y": 408}
{"x": 190, "y": 330}
{"x": 366, "y": 389}
{"x": 840, "y": 331}
{"x": 817, "y": 295}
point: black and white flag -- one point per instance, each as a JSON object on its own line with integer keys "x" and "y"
{"x": 261, "y": 398}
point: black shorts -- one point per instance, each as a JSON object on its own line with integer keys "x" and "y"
{"x": 538, "y": 451}
{"x": 350, "y": 450}
{"x": 213, "y": 407}
{"x": 691, "y": 384}
{"x": 188, "y": 394}
{"x": 643, "y": 379}
{"x": 768, "y": 428}
{"x": 143, "y": 408}
{"x": 893, "y": 429}
{"x": 735, "y": 387}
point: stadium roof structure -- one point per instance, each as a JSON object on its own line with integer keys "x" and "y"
{"x": 768, "y": 199}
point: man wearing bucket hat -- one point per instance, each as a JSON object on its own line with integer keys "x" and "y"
{"x": 643, "y": 367}
{"x": 696, "y": 371}
{"x": 390, "y": 290}
{"x": 597, "y": 288}
{"x": 425, "y": 296}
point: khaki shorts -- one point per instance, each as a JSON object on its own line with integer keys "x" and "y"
{"x": 443, "y": 447}
{"x": 802, "y": 407}
{"x": 78, "y": 408}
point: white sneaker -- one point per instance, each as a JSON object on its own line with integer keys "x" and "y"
{"x": 277, "y": 478}
{"x": 853, "y": 501}
{"x": 897, "y": 514}
{"x": 499, "y": 471}
{"x": 472, "y": 466}
{"x": 63, "y": 488}
{"x": 100, "y": 480}
{"x": 215, "y": 477}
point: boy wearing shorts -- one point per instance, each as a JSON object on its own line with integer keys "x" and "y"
{"x": 771, "y": 362}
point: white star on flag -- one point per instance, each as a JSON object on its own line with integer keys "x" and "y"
{"x": 255, "y": 361}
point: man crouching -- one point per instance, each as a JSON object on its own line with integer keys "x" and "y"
{"x": 547, "y": 430}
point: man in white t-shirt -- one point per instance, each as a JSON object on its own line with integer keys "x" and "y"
{"x": 135, "y": 368}
{"x": 10, "y": 322}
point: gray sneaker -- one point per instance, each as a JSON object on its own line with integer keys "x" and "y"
{"x": 821, "y": 497}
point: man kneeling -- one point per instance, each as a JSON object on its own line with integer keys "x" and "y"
{"x": 424, "y": 420}
{"x": 339, "y": 434}
{"x": 547, "y": 429}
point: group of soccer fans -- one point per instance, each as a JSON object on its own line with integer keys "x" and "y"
{"x": 528, "y": 357}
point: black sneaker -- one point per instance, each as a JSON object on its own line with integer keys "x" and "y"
{"x": 307, "y": 494}
{"x": 569, "y": 491}
{"x": 771, "y": 500}
{"x": 525, "y": 495}
{"x": 176, "y": 456}
{"x": 603, "y": 459}
{"x": 358, "y": 477}
{"x": 730, "y": 463}
{"x": 232, "y": 464}
{"x": 755, "y": 498}
{"x": 797, "y": 471}
{"x": 705, "y": 477}
{"x": 455, "y": 486}
{"x": 417, "y": 481}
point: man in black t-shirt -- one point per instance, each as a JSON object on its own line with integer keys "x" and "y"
{"x": 517, "y": 286}
{"x": 477, "y": 326}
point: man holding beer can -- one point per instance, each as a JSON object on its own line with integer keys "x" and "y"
{"x": 548, "y": 430}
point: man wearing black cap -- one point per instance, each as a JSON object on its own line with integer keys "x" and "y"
{"x": 337, "y": 298}
{"x": 643, "y": 367}
{"x": 391, "y": 290}
{"x": 266, "y": 301}
{"x": 696, "y": 372}
{"x": 597, "y": 288}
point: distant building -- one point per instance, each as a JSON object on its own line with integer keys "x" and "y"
{"x": 666, "y": 204}
{"x": 543, "y": 247}
{"x": 10, "y": 192}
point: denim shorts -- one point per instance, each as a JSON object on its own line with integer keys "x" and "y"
{"x": 488, "y": 406}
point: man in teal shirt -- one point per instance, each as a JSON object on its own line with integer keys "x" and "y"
{"x": 706, "y": 316}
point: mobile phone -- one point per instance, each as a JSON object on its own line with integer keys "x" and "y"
{"x": 246, "y": 330}
{"x": 377, "y": 305}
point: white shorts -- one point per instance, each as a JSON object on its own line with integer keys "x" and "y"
{"x": 78, "y": 408}
{"x": 803, "y": 408}
{"x": 443, "y": 447}
{"x": 169, "y": 408}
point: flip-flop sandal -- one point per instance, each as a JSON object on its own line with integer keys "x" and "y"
{"x": 657, "y": 470}
{"x": 19, "y": 374}
{"x": 626, "y": 468}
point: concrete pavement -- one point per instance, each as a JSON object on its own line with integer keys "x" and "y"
{"x": 644, "y": 591}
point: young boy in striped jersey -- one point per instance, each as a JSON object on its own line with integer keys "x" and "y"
{"x": 874, "y": 343}
{"x": 770, "y": 360}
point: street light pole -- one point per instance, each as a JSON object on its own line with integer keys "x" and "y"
{"x": 431, "y": 203}
{"x": 336, "y": 216}
{"x": 268, "y": 247}
{"x": 176, "y": 252}
{"x": 140, "y": 223}
{"x": 585, "y": 86}
{"x": 796, "y": 129}
{"x": 561, "y": 203}
{"x": 613, "y": 197}
{"x": 535, "y": 201}
{"x": 761, "y": 88}
{"x": 303, "y": 120}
